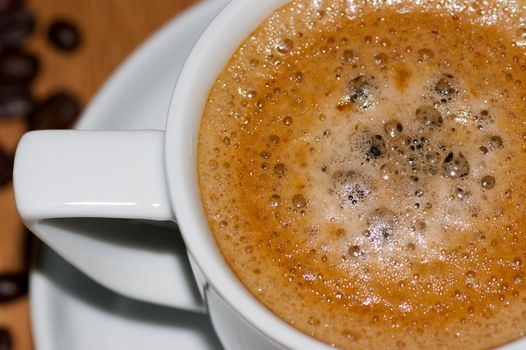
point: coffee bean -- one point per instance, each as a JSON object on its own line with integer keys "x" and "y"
{"x": 18, "y": 67}
{"x": 8, "y": 5}
{"x": 15, "y": 101}
{"x": 15, "y": 27}
{"x": 64, "y": 35}
{"x": 5, "y": 339}
{"x": 6, "y": 168}
{"x": 58, "y": 111}
{"x": 12, "y": 286}
{"x": 28, "y": 245}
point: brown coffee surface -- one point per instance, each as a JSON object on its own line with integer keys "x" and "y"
{"x": 363, "y": 170}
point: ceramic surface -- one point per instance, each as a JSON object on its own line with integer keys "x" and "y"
{"x": 238, "y": 318}
{"x": 137, "y": 97}
{"x": 68, "y": 309}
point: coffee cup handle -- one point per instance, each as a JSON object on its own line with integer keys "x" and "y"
{"x": 76, "y": 174}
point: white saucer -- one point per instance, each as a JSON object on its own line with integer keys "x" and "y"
{"x": 71, "y": 312}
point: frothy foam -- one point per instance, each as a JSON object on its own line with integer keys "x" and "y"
{"x": 361, "y": 169}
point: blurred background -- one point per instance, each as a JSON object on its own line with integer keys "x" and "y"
{"x": 54, "y": 56}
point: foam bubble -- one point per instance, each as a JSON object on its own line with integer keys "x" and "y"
{"x": 285, "y": 46}
{"x": 487, "y": 182}
{"x": 429, "y": 116}
{"x": 424, "y": 55}
{"x": 299, "y": 201}
{"x": 455, "y": 165}
{"x": 279, "y": 169}
{"x": 393, "y": 128}
{"x": 445, "y": 86}
{"x": 287, "y": 120}
{"x": 350, "y": 56}
{"x": 360, "y": 90}
{"x": 381, "y": 58}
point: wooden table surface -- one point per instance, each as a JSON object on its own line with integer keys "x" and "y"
{"x": 111, "y": 29}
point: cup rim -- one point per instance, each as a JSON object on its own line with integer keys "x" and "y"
{"x": 209, "y": 55}
{"x": 184, "y": 190}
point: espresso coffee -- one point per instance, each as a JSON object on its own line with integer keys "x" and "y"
{"x": 362, "y": 167}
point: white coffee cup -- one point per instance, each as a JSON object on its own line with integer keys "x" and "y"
{"x": 152, "y": 175}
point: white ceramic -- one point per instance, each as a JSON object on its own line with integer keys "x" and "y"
{"x": 122, "y": 263}
{"x": 63, "y": 175}
{"x": 151, "y": 175}
{"x": 64, "y": 298}
{"x": 69, "y": 311}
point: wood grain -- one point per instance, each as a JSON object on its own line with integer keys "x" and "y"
{"x": 111, "y": 29}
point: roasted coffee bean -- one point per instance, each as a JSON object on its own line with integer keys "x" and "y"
{"x": 28, "y": 247}
{"x": 15, "y": 27}
{"x": 18, "y": 67}
{"x": 9, "y": 5}
{"x": 6, "y": 168}
{"x": 64, "y": 35}
{"x": 15, "y": 101}
{"x": 58, "y": 111}
{"x": 12, "y": 286}
{"x": 5, "y": 339}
